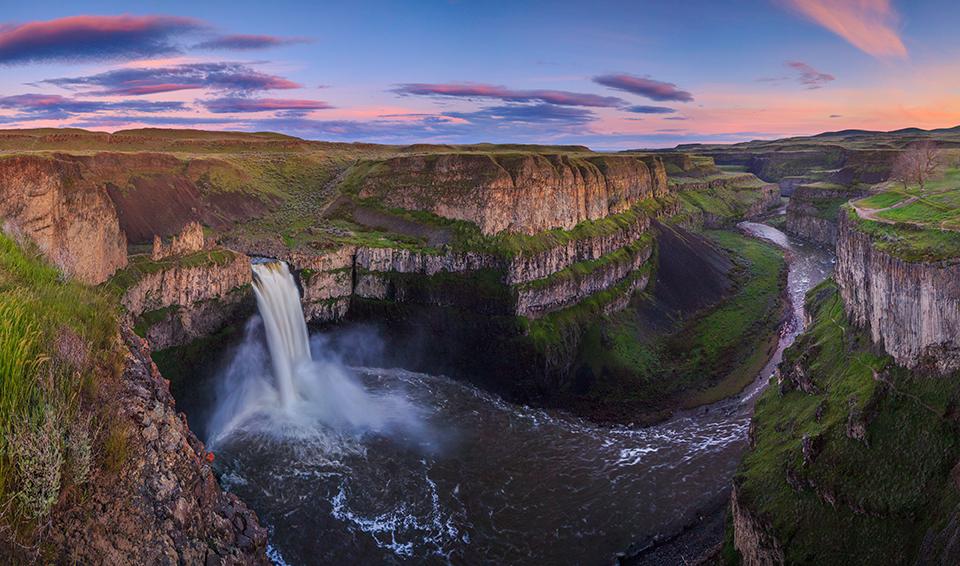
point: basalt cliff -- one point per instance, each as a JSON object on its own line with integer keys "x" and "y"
{"x": 911, "y": 309}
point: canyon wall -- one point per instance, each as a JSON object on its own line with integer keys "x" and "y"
{"x": 524, "y": 193}
{"x": 524, "y": 268}
{"x": 911, "y": 309}
{"x": 752, "y": 537}
{"x": 164, "y": 506}
{"x": 566, "y": 288}
{"x": 812, "y": 212}
{"x": 176, "y": 301}
{"x": 72, "y": 221}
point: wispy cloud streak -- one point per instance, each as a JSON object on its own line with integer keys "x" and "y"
{"x": 869, "y": 25}
{"x": 479, "y": 91}
{"x": 137, "y": 81}
{"x": 644, "y": 86}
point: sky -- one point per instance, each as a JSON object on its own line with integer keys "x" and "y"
{"x": 610, "y": 75}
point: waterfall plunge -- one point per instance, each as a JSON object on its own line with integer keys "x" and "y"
{"x": 287, "y": 390}
{"x": 279, "y": 304}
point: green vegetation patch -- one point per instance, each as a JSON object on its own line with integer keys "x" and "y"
{"x": 631, "y": 366}
{"x": 882, "y": 200}
{"x": 149, "y": 318}
{"x": 557, "y": 335}
{"x": 867, "y": 500}
{"x": 57, "y": 354}
{"x": 725, "y": 203}
{"x": 907, "y": 241}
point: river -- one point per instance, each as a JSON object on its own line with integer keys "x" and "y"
{"x": 460, "y": 476}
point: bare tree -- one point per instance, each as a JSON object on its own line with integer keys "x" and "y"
{"x": 917, "y": 164}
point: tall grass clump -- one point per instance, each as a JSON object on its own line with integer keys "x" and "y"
{"x": 58, "y": 351}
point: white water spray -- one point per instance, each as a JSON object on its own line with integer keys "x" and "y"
{"x": 289, "y": 391}
{"x": 279, "y": 304}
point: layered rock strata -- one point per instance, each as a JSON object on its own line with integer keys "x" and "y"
{"x": 72, "y": 221}
{"x": 188, "y": 297}
{"x": 812, "y": 213}
{"x": 566, "y": 288}
{"x": 523, "y": 193}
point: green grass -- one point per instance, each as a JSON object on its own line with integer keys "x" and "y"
{"x": 889, "y": 490}
{"x": 882, "y": 200}
{"x": 56, "y": 349}
{"x": 710, "y": 357}
{"x": 909, "y": 242}
{"x": 725, "y": 203}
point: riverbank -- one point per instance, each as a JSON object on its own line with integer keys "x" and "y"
{"x": 663, "y": 355}
{"x": 700, "y": 541}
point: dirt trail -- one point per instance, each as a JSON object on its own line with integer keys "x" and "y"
{"x": 871, "y": 214}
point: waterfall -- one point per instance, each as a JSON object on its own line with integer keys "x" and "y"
{"x": 288, "y": 390}
{"x": 286, "y": 330}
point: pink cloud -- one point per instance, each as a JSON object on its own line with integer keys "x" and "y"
{"x": 645, "y": 86}
{"x": 92, "y": 38}
{"x": 475, "y": 90}
{"x": 869, "y": 25}
{"x": 236, "y": 104}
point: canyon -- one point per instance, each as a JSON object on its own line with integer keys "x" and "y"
{"x": 551, "y": 275}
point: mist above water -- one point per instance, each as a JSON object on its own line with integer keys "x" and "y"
{"x": 288, "y": 390}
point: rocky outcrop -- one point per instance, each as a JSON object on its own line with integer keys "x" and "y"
{"x": 524, "y": 193}
{"x": 164, "y": 505}
{"x": 911, "y": 309}
{"x": 805, "y": 224}
{"x": 71, "y": 219}
{"x": 326, "y": 284}
{"x": 181, "y": 299}
{"x": 768, "y": 198}
{"x": 752, "y": 536}
{"x": 188, "y": 241}
{"x": 724, "y": 182}
{"x": 812, "y": 212}
{"x": 569, "y": 287}
{"x": 528, "y": 267}
{"x": 412, "y": 261}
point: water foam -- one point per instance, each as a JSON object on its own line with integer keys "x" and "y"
{"x": 314, "y": 399}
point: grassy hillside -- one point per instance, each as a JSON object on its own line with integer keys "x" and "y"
{"x": 58, "y": 358}
{"x": 852, "y": 455}
{"x": 707, "y": 357}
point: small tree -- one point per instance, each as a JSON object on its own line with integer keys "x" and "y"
{"x": 918, "y": 163}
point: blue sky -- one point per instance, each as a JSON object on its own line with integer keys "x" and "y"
{"x": 604, "y": 74}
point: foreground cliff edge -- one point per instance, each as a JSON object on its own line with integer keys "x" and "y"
{"x": 97, "y": 464}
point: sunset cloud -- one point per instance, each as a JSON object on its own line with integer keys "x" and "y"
{"x": 649, "y": 88}
{"x": 869, "y": 25}
{"x": 476, "y": 91}
{"x": 650, "y": 109}
{"x": 92, "y": 38}
{"x": 136, "y": 81}
{"x": 245, "y": 41}
{"x": 514, "y": 114}
{"x": 52, "y": 106}
{"x": 809, "y": 76}
{"x": 235, "y": 104}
